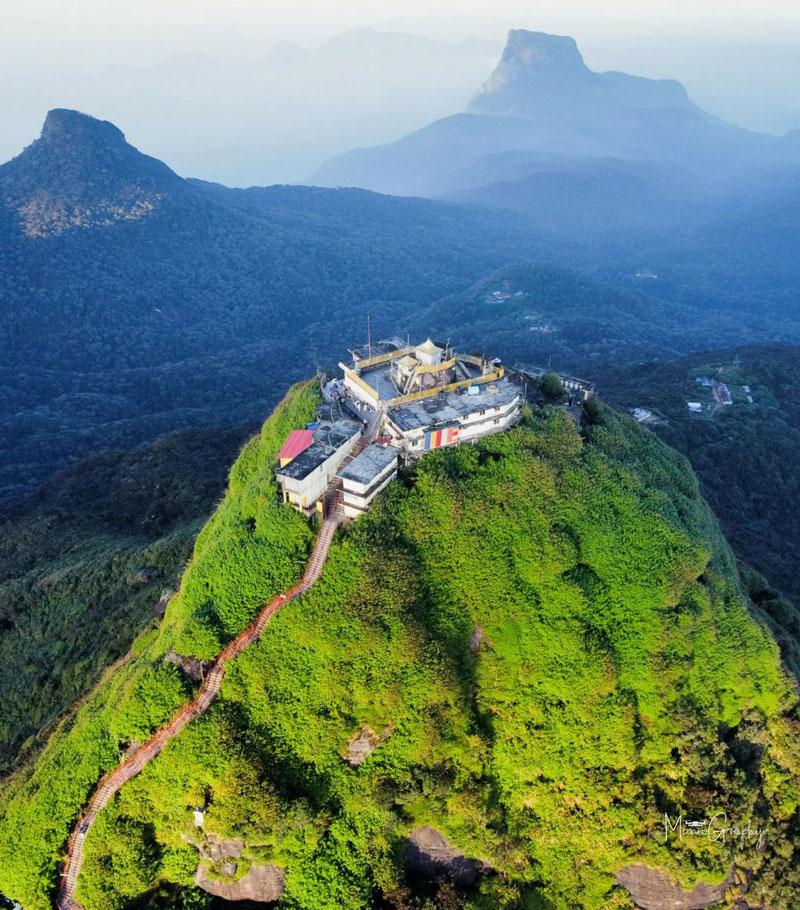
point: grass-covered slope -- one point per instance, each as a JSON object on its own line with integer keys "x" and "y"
{"x": 39, "y": 804}
{"x": 747, "y": 457}
{"x": 84, "y": 563}
{"x": 545, "y": 632}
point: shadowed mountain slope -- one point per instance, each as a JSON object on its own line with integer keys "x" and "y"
{"x": 544, "y": 101}
{"x": 134, "y": 302}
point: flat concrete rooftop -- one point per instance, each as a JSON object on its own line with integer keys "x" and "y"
{"x": 299, "y": 468}
{"x": 365, "y": 467}
{"x": 327, "y": 439}
{"x": 336, "y": 433}
{"x": 380, "y": 379}
{"x": 452, "y": 406}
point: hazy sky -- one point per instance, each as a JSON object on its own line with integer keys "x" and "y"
{"x": 46, "y": 32}
{"x": 141, "y": 63}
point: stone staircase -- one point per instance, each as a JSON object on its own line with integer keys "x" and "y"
{"x": 111, "y": 784}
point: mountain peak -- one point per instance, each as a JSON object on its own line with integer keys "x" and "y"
{"x": 540, "y": 52}
{"x": 61, "y": 124}
{"x": 81, "y": 172}
{"x": 544, "y": 76}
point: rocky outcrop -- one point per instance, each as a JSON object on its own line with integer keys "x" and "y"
{"x": 141, "y": 576}
{"x": 216, "y": 850}
{"x": 263, "y": 883}
{"x": 191, "y": 666}
{"x": 653, "y": 889}
{"x": 163, "y": 602}
{"x": 545, "y": 75}
{"x": 363, "y": 744}
{"x": 476, "y": 639}
{"x": 431, "y": 856}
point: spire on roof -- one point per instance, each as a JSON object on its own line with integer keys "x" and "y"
{"x": 429, "y": 347}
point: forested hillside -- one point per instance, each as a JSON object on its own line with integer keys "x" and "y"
{"x": 543, "y": 640}
{"x": 579, "y": 321}
{"x": 133, "y": 302}
{"x": 747, "y": 456}
{"x": 84, "y": 564}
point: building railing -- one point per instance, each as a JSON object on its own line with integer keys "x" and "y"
{"x": 470, "y": 358}
{"x": 382, "y": 358}
{"x": 351, "y": 374}
{"x": 434, "y": 368}
{"x": 496, "y": 373}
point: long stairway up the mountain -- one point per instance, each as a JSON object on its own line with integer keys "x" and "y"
{"x": 112, "y": 782}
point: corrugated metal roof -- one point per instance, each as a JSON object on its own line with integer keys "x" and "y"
{"x": 296, "y": 442}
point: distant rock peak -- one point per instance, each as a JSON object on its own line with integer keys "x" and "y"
{"x": 544, "y": 76}
{"x": 62, "y": 123}
{"x": 82, "y": 173}
{"x": 540, "y": 52}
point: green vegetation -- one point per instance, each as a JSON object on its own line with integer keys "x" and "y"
{"x": 546, "y": 632}
{"x": 40, "y": 802}
{"x": 221, "y": 297}
{"x": 747, "y": 457}
{"x": 84, "y": 563}
{"x": 552, "y": 389}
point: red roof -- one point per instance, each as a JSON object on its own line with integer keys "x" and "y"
{"x": 296, "y": 442}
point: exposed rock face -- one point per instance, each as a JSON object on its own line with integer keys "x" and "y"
{"x": 430, "y": 855}
{"x": 217, "y": 850}
{"x": 555, "y": 55}
{"x": 81, "y": 173}
{"x": 163, "y": 602}
{"x": 141, "y": 577}
{"x": 476, "y": 639}
{"x": 191, "y": 666}
{"x": 260, "y": 883}
{"x": 363, "y": 744}
{"x": 652, "y": 889}
{"x": 544, "y": 75}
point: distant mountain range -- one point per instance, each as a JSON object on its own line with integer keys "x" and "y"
{"x": 544, "y": 103}
{"x": 134, "y": 302}
{"x": 619, "y": 173}
{"x": 271, "y": 117}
